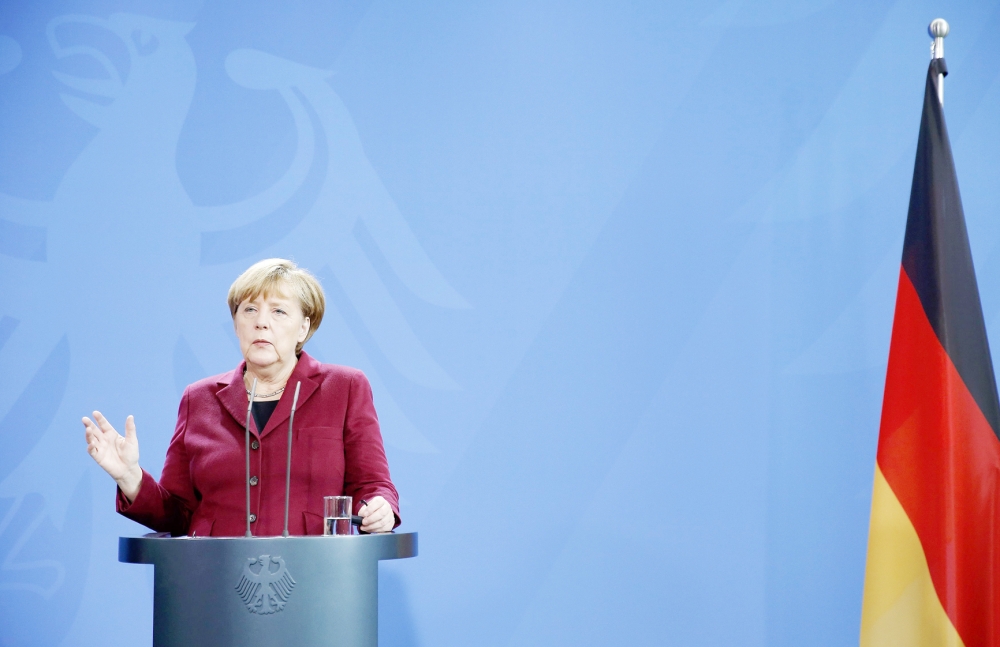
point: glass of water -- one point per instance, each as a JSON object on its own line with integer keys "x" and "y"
{"x": 337, "y": 515}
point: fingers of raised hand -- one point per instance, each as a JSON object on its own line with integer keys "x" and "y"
{"x": 89, "y": 429}
{"x": 94, "y": 437}
{"x": 103, "y": 423}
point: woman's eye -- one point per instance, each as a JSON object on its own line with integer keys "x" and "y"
{"x": 279, "y": 311}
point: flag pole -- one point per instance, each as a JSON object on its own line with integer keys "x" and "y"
{"x": 938, "y": 29}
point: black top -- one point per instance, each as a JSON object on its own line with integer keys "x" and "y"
{"x": 262, "y": 413}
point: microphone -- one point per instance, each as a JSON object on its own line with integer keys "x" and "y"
{"x": 288, "y": 464}
{"x": 253, "y": 393}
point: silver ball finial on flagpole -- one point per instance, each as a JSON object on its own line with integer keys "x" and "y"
{"x": 938, "y": 29}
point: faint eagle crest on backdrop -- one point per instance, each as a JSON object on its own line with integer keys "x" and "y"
{"x": 265, "y": 584}
{"x": 329, "y": 209}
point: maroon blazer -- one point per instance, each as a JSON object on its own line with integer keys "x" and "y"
{"x": 336, "y": 449}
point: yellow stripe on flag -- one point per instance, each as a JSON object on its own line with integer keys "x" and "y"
{"x": 901, "y": 607}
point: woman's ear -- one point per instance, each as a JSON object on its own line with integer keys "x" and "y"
{"x": 304, "y": 330}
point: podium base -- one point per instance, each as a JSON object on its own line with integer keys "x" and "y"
{"x": 244, "y": 592}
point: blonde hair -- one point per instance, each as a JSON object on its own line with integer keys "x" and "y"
{"x": 277, "y": 275}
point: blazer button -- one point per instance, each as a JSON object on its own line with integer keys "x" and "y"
{"x": 253, "y": 518}
{"x": 255, "y": 445}
{"x": 253, "y": 480}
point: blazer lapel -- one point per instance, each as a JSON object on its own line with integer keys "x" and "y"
{"x": 234, "y": 399}
{"x": 305, "y": 367}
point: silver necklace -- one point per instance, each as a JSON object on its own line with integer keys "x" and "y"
{"x": 268, "y": 395}
{"x": 265, "y": 395}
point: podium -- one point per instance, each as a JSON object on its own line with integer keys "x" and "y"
{"x": 248, "y": 591}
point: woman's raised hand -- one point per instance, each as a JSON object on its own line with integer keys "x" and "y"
{"x": 117, "y": 456}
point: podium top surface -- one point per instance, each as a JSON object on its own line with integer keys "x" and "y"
{"x": 154, "y": 548}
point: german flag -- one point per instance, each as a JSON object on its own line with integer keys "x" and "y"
{"x": 933, "y": 571}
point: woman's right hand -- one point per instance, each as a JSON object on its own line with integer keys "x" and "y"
{"x": 117, "y": 456}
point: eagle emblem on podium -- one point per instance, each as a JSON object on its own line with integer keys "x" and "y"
{"x": 265, "y": 584}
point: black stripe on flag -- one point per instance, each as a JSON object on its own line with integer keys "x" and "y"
{"x": 938, "y": 260}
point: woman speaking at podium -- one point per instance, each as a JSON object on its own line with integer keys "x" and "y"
{"x": 337, "y": 447}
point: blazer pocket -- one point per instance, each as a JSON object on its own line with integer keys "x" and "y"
{"x": 325, "y": 458}
{"x": 321, "y": 454}
{"x": 313, "y": 523}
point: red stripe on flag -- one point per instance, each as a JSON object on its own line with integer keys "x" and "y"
{"x": 941, "y": 459}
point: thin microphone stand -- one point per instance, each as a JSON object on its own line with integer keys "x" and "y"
{"x": 253, "y": 393}
{"x": 288, "y": 464}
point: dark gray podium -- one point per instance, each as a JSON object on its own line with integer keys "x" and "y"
{"x": 243, "y": 592}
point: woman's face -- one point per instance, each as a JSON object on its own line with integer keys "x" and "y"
{"x": 269, "y": 327}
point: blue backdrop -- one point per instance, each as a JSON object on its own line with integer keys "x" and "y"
{"x": 621, "y": 275}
